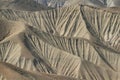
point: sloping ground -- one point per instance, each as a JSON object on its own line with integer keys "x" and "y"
{"x": 54, "y": 21}
{"x": 47, "y": 61}
{"x": 58, "y": 23}
{"x": 77, "y": 47}
{"x": 61, "y": 3}
{"x": 48, "y": 4}
{"x": 10, "y": 28}
{"x": 57, "y": 3}
{"x": 26, "y": 5}
{"x": 97, "y": 3}
{"x": 19, "y": 74}
{"x": 68, "y": 43}
{"x": 50, "y": 59}
{"x": 103, "y": 61}
{"x": 104, "y": 26}
{"x": 56, "y": 61}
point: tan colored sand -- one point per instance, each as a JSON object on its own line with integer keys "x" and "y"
{"x": 9, "y": 29}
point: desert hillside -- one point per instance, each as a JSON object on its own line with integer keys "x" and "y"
{"x": 59, "y": 40}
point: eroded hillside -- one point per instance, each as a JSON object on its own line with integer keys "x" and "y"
{"x": 75, "y": 42}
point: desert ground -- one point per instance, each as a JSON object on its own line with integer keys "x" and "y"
{"x": 59, "y": 39}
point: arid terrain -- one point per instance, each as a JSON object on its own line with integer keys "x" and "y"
{"x": 59, "y": 39}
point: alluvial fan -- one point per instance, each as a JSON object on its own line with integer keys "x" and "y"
{"x": 59, "y": 40}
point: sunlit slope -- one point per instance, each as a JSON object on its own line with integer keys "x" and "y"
{"x": 20, "y": 50}
{"x": 103, "y": 25}
{"x": 11, "y": 72}
{"x": 48, "y": 4}
{"x": 89, "y": 53}
{"x": 51, "y": 62}
{"x": 25, "y": 5}
{"x": 96, "y": 3}
{"x": 62, "y": 21}
{"x": 77, "y": 42}
{"x": 73, "y": 25}
{"x": 62, "y": 3}
{"x": 9, "y": 29}
{"x": 50, "y": 57}
{"x": 95, "y": 55}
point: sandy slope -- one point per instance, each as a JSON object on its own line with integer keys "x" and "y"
{"x": 10, "y": 28}
{"x": 55, "y": 24}
{"x": 97, "y": 3}
{"x": 74, "y": 15}
{"x": 68, "y": 43}
{"x": 19, "y": 74}
{"x": 25, "y": 5}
